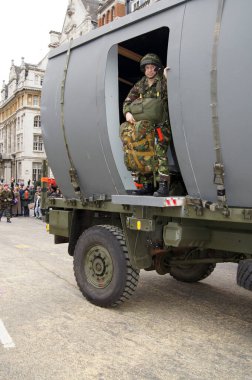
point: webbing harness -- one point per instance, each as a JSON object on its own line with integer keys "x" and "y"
{"x": 143, "y": 87}
{"x": 218, "y": 166}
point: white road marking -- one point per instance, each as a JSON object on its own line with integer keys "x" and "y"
{"x": 22, "y": 246}
{"x": 5, "y": 338}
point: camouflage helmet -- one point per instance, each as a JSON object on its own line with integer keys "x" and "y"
{"x": 150, "y": 59}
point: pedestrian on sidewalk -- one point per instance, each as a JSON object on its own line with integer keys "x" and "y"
{"x": 6, "y": 198}
{"x": 16, "y": 207}
{"x": 26, "y": 200}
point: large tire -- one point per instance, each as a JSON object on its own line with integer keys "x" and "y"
{"x": 102, "y": 268}
{"x": 244, "y": 274}
{"x": 192, "y": 273}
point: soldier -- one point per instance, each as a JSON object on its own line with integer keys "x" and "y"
{"x": 146, "y": 133}
{"x": 6, "y": 198}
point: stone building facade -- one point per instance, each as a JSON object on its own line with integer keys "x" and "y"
{"x": 21, "y": 143}
{"x": 135, "y": 5}
{"x": 109, "y": 10}
{"x": 81, "y": 17}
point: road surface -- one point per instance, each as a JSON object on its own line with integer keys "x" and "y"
{"x": 168, "y": 330}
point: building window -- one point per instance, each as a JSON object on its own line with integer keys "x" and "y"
{"x": 103, "y": 20}
{"x": 136, "y": 5}
{"x": 22, "y": 122}
{"x": 36, "y": 81}
{"x": 35, "y": 101}
{"x": 37, "y": 122}
{"x": 112, "y": 13}
{"x": 19, "y": 169}
{"x": 36, "y": 171}
{"x": 41, "y": 81}
{"x": 19, "y": 142}
{"x": 108, "y": 17}
{"x": 37, "y": 143}
{"x": 1, "y": 148}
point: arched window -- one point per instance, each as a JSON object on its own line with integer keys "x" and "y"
{"x": 108, "y": 17}
{"x": 103, "y": 20}
{"x": 112, "y": 13}
{"x": 37, "y": 122}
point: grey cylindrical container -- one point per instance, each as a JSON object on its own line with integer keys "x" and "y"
{"x": 84, "y": 132}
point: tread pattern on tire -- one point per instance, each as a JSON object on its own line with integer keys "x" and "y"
{"x": 132, "y": 274}
{"x": 244, "y": 274}
{"x": 209, "y": 269}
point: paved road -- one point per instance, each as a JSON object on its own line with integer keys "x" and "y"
{"x": 168, "y": 330}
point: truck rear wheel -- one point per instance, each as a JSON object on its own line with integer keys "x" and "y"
{"x": 192, "y": 273}
{"x": 102, "y": 268}
{"x": 244, "y": 274}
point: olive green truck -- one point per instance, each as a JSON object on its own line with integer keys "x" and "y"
{"x": 207, "y": 219}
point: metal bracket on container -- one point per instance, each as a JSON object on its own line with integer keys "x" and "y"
{"x": 97, "y": 198}
{"x": 75, "y": 183}
{"x": 196, "y": 203}
{"x": 247, "y": 214}
{"x": 52, "y": 201}
{"x": 218, "y": 173}
{"x": 74, "y": 180}
{"x": 72, "y": 202}
{"x": 218, "y": 166}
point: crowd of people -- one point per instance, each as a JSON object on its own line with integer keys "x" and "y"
{"x": 20, "y": 200}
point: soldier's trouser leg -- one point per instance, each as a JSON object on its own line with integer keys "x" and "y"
{"x": 8, "y": 213}
{"x": 162, "y": 148}
{"x": 163, "y": 165}
{"x": 1, "y": 214}
{"x": 145, "y": 178}
{"x": 143, "y": 183}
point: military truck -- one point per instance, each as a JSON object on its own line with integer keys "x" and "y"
{"x": 207, "y": 219}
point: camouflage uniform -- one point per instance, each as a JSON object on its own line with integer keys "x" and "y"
{"x": 5, "y": 203}
{"x": 153, "y": 136}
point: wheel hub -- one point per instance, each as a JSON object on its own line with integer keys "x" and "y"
{"x": 98, "y": 267}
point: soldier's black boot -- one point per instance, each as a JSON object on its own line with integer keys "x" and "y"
{"x": 147, "y": 189}
{"x": 8, "y": 220}
{"x": 163, "y": 189}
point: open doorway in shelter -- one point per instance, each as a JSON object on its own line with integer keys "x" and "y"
{"x": 130, "y": 53}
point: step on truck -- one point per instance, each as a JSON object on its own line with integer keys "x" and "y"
{"x": 207, "y": 218}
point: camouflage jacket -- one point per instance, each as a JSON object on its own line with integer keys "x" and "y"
{"x": 6, "y": 198}
{"x": 141, "y": 88}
